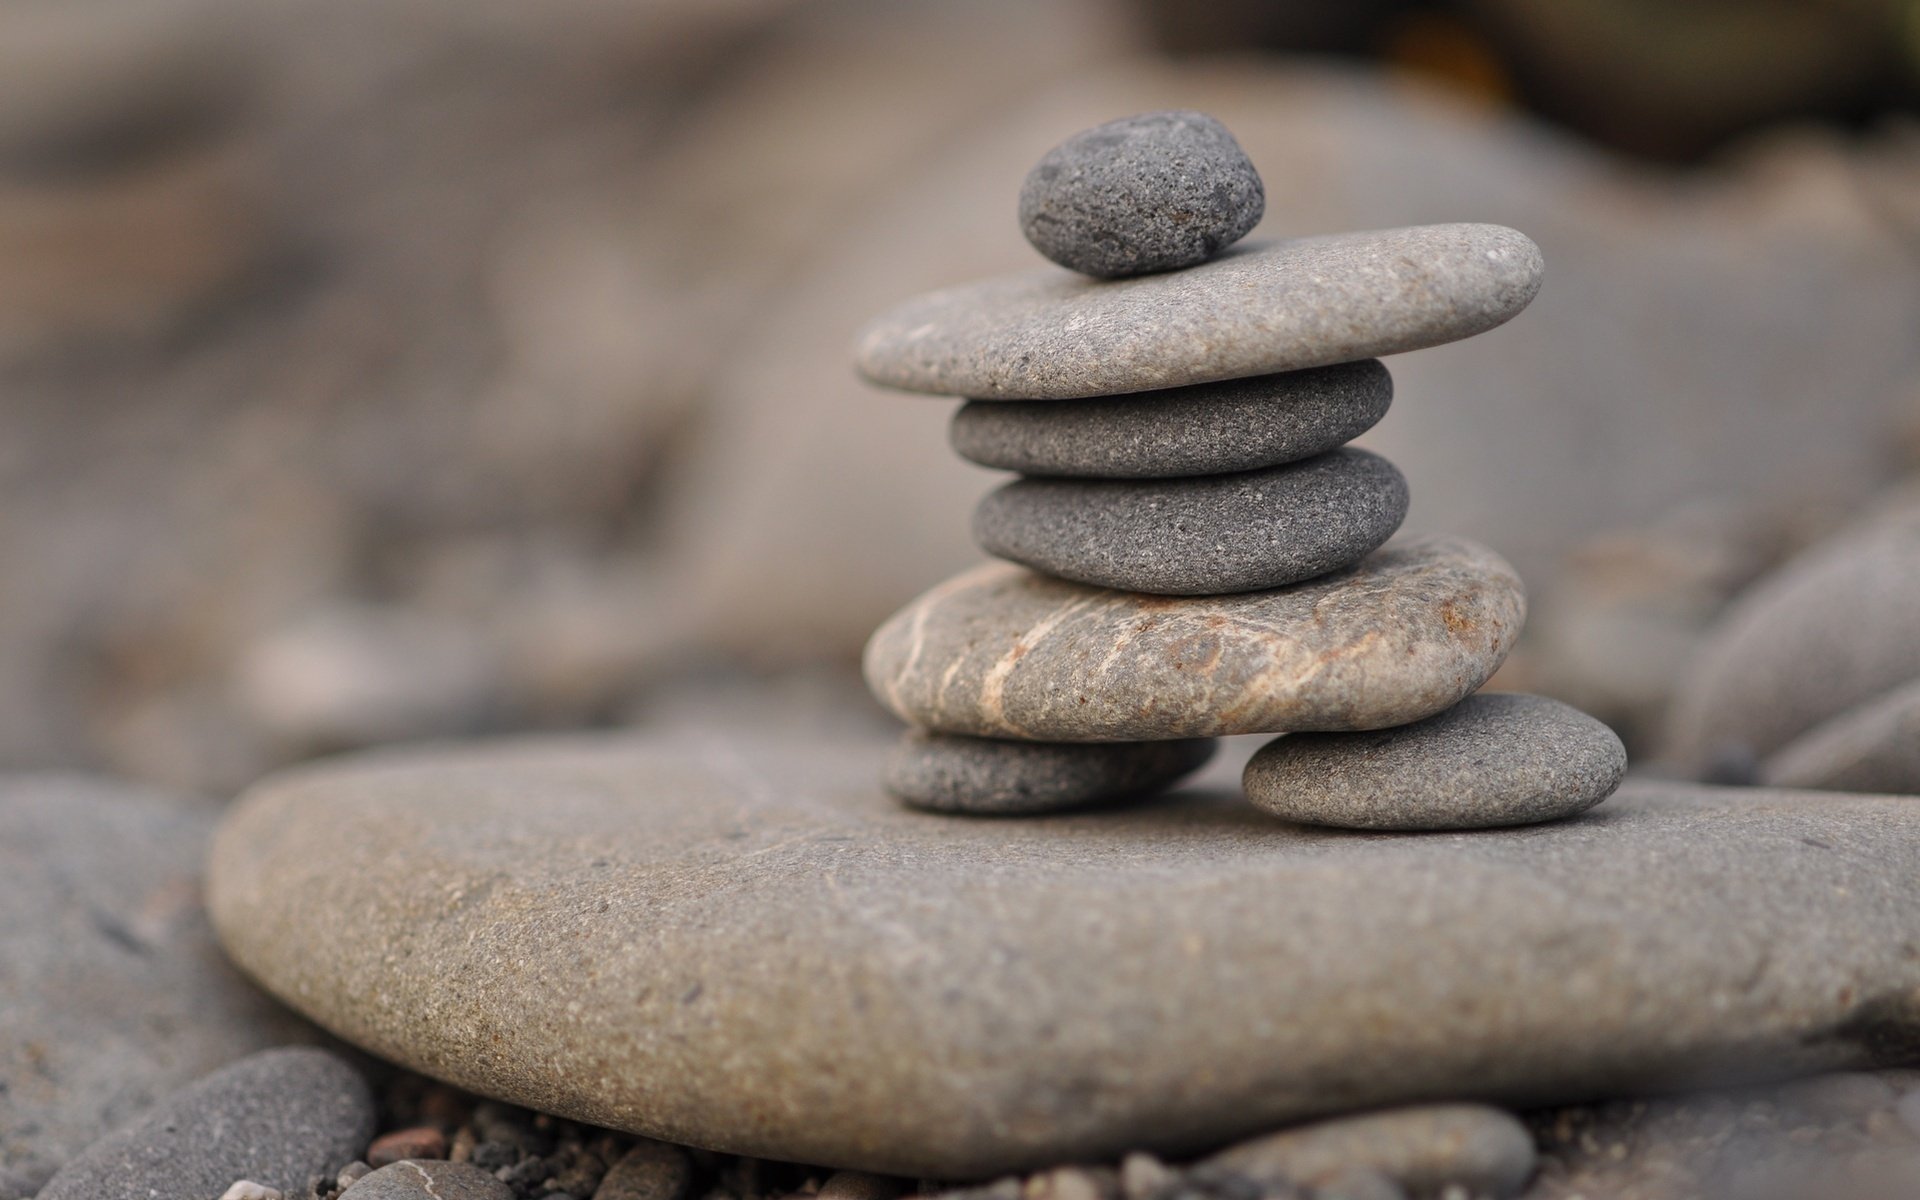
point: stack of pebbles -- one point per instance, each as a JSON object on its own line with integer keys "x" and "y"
{"x": 1199, "y": 552}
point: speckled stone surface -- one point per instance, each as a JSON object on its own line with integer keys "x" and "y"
{"x": 1199, "y": 537}
{"x": 1258, "y": 309}
{"x": 732, "y": 937}
{"x": 113, "y": 992}
{"x": 275, "y": 1118}
{"x": 1000, "y": 651}
{"x": 1874, "y": 747}
{"x": 428, "y": 1181}
{"x": 1152, "y": 192}
{"x": 1424, "y": 1149}
{"x": 1208, "y": 429}
{"x": 1498, "y": 758}
{"x": 990, "y": 776}
{"x": 1834, "y": 628}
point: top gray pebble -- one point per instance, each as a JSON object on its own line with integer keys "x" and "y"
{"x": 1155, "y": 192}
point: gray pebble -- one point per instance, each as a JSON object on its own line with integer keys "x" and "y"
{"x": 1283, "y": 306}
{"x": 276, "y": 1118}
{"x": 1153, "y": 192}
{"x": 1207, "y": 536}
{"x": 952, "y": 773}
{"x": 428, "y": 1179}
{"x": 1498, "y": 758}
{"x": 1426, "y": 1150}
{"x": 649, "y": 1171}
{"x": 1208, "y": 429}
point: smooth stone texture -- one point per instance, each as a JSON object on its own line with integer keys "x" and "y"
{"x": 1498, "y": 758}
{"x": 1872, "y": 748}
{"x": 428, "y": 1180}
{"x": 1426, "y": 1149}
{"x": 731, "y": 938}
{"x": 1199, "y": 537}
{"x": 1833, "y": 629}
{"x": 1152, "y": 192}
{"x": 1279, "y": 306}
{"x": 1208, "y": 429}
{"x": 1000, "y": 651}
{"x": 274, "y": 1118}
{"x": 113, "y": 992}
{"x": 947, "y": 773}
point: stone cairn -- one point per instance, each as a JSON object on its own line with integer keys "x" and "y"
{"x": 1199, "y": 552}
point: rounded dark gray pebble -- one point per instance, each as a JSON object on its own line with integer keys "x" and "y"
{"x": 949, "y": 773}
{"x": 1153, "y": 192}
{"x": 1209, "y": 429}
{"x": 1497, "y": 758}
{"x": 276, "y": 1117}
{"x": 1205, "y": 536}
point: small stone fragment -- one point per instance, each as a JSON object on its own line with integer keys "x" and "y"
{"x": 1498, "y": 758}
{"x": 957, "y": 774}
{"x": 649, "y": 1171}
{"x": 421, "y": 1142}
{"x": 273, "y": 1118}
{"x": 1210, "y": 536}
{"x": 247, "y": 1189}
{"x": 1142, "y": 1176}
{"x": 1207, "y": 429}
{"x": 1425, "y": 1150}
{"x": 351, "y": 1174}
{"x": 861, "y": 1185}
{"x": 1153, "y": 192}
{"x": 428, "y": 1180}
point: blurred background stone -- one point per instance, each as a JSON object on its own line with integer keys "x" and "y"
{"x": 372, "y": 371}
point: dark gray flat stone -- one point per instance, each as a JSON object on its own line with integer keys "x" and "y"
{"x": 113, "y": 992}
{"x": 1279, "y": 306}
{"x": 949, "y": 773}
{"x": 1000, "y": 651}
{"x": 1498, "y": 758}
{"x": 275, "y": 1118}
{"x": 1208, "y": 429}
{"x": 1207, "y": 536}
{"x": 1152, "y": 192}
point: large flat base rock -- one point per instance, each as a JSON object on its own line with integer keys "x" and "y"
{"x": 732, "y": 938}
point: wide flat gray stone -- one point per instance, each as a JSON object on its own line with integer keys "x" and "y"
{"x": 1874, "y": 747}
{"x": 943, "y": 772}
{"x": 732, "y": 938}
{"x": 112, "y": 990}
{"x": 1496, "y": 758}
{"x": 1208, "y": 429}
{"x": 1001, "y": 651}
{"x": 275, "y": 1118}
{"x": 1277, "y": 306}
{"x": 1204, "y": 536}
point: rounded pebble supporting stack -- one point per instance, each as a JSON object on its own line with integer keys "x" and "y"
{"x": 990, "y": 776}
{"x": 1493, "y": 759}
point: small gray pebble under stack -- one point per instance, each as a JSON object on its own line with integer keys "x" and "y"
{"x": 1178, "y": 409}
